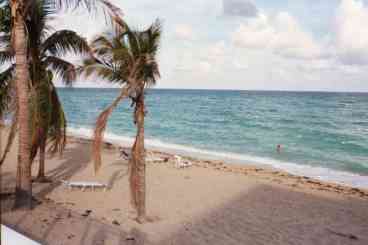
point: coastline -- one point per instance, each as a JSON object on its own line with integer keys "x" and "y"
{"x": 287, "y": 170}
{"x": 261, "y": 171}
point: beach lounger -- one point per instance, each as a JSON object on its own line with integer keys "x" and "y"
{"x": 11, "y": 237}
{"x": 84, "y": 185}
{"x": 156, "y": 159}
{"x": 179, "y": 163}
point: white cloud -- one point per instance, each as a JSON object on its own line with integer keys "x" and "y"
{"x": 216, "y": 53}
{"x": 184, "y": 32}
{"x": 352, "y": 32}
{"x": 204, "y": 67}
{"x": 281, "y": 34}
{"x": 240, "y": 65}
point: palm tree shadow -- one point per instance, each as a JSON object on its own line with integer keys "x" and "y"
{"x": 119, "y": 174}
{"x": 75, "y": 159}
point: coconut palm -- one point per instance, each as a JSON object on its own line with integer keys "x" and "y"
{"x": 129, "y": 59}
{"x": 19, "y": 13}
{"x": 46, "y": 50}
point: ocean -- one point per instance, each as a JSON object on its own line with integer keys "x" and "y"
{"x": 322, "y": 135}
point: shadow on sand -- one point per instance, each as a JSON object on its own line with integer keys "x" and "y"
{"x": 264, "y": 215}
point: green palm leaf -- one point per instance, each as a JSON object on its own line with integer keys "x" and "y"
{"x": 64, "y": 41}
{"x": 64, "y": 69}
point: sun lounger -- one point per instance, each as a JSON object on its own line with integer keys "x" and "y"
{"x": 11, "y": 237}
{"x": 179, "y": 163}
{"x": 156, "y": 159}
{"x": 84, "y": 185}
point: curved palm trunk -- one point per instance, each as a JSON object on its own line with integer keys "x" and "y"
{"x": 23, "y": 180}
{"x": 138, "y": 164}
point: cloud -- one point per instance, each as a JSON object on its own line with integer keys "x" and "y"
{"x": 184, "y": 32}
{"x": 204, "y": 67}
{"x": 281, "y": 34}
{"x": 243, "y": 8}
{"x": 352, "y": 32}
{"x": 216, "y": 52}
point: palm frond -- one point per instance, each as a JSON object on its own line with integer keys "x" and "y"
{"x": 101, "y": 69}
{"x": 64, "y": 41}
{"x": 113, "y": 14}
{"x": 6, "y": 86}
{"x": 6, "y": 56}
{"x": 40, "y": 13}
{"x": 5, "y": 16}
{"x": 58, "y": 125}
{"x": 101, "y": 127}
{"x": 64, "y": 69}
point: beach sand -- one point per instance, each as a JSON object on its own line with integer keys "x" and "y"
{"x": 208, "y": 203}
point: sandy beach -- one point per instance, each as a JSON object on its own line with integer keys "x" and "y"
{"x": 208, "y": 203}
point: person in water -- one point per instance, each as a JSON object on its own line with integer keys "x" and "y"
{"x": 278, "y": 148}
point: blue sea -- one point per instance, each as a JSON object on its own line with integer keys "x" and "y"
{"x": 322, "y": 135}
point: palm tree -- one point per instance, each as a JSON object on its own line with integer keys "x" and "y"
{"x": 129, "y": 59}
{"x": 19, "y": 13}
{"x": 45, "y": 52}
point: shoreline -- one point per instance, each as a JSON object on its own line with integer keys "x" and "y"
{"x": 339, "y": 177}
{"x": 258, "y": 171}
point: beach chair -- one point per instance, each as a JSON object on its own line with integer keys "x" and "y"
{"x": 11, "y": 237}
{"x": 179, "y": 163}
{"x": 156, "y": 159}
{"x": 84, "y": 185}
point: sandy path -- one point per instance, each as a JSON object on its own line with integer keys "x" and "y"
{"x": 191, "y": 206}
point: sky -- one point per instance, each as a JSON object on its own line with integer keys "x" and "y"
{"x": 249, "y": 44}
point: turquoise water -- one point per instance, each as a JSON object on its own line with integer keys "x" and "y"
{"x": 324, "y": 135}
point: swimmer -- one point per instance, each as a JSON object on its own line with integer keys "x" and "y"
{"x": 278, "y": 148}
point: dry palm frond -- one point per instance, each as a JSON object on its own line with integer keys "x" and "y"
{"x": 101, "y": 126}
{"x": 57, "y": 131}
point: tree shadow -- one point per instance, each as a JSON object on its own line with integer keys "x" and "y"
{"x": 276, "y": 215}
{"x": 75, "y": 159}
{"x": 263, "y": 215}
{"x": 118, "y": 174}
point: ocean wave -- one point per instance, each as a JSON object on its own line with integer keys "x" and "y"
{"x": 320, "y": 173}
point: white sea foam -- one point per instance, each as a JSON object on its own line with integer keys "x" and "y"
{"x": 320, "y": 173}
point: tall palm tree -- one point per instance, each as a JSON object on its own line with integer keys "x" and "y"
{"x": 129, "y": 59}
{"x": 19, "y": 44}
{"x": 46, "y": 50}
{"x": 20, "y": 13}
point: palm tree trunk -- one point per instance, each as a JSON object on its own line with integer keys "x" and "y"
{"x": 23, "y": 183}
{"x": 138, "y": 164}
{"x": 41, "y": 169}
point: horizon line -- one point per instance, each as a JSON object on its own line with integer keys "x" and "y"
{"x": 214, "y": 89}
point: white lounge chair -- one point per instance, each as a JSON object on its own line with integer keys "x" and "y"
{"x": 84, "y": 185}
{"x": 179, "y": 163}
{"x": 11, "y": 237}
{"x": 155, "y": 159}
